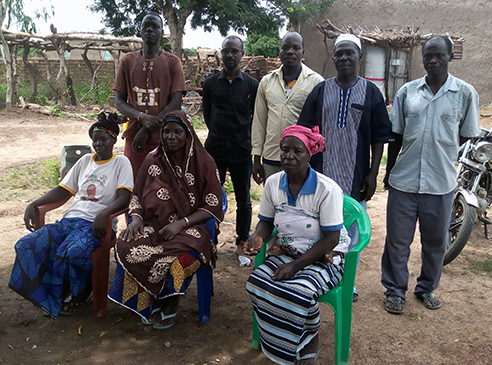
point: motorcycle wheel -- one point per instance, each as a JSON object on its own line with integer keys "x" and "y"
{"x": 462, "y": 221}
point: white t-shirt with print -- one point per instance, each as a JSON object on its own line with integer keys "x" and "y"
{"x": 94, "y": 184}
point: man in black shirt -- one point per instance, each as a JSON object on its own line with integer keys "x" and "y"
{"x": 228, "y": 106}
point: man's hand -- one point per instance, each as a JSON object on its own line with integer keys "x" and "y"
{"x": 253, "y": 245}
{"x": 140, "y": 140}
{"x": 150, "y": 122}
{"x": 369, "y": 186}
{"x": 258, "y": 172}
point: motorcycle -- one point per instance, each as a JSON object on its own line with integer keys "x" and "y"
{"x": 474, "y": 192}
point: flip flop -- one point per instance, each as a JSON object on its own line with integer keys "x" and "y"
{"x": 393, "y": 304}
{"x": 427, "y": 299}
{"x": 164, "y": 317}
{"x": 355, "y": 296}
{"x": 147, "y": 323}
{"x": 74, "y": 307}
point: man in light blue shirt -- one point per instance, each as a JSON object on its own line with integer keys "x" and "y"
{"x": 431, "y": 118}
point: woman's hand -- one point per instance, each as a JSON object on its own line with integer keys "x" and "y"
{"x": 134, "y": 228}
{"x": 169, "y": 231}
{"x": 253, "y": 245}
{"x": 29, "y": 217}
{"x": 99, "y": 225}
{"x": 284, "y": 272}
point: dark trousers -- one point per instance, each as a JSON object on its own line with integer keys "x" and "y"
{"x": 403, "y": 210}
{"x": 241, "y": 180}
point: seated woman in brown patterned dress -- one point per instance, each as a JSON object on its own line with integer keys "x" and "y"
{"x": 176, "y": 191}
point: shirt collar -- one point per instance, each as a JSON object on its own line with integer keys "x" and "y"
{"x": 309, "y": 186}
{"x": 239, "y": 75}
{"x": 449, "y": 85}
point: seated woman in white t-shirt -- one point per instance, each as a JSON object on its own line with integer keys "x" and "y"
{"x": 53, "y": 268}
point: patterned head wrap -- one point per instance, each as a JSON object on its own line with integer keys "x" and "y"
{"x": 348, "y": 37}
{"x": 107, "y": 124}
{"x": 312, "y": 139}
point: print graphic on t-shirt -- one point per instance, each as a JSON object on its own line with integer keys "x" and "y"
{"x": 146, "y": 97}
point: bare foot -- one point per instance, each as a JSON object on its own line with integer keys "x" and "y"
{"x": 309, "y": 354}
{"x": 277, "y": 251}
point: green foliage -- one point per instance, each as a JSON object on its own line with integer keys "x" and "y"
{"x": 16, "y": 14}
{"x": 190, "y": 51}
{"x": 228, "y": 186}
{"x": 300, "y": 11}
{"x": 198, "y": 122}
{"x": 29, "y": 181}
{"x": 3, "y": 92}
{"x": 56, "y": 112}
{"x": 45, "y": 94}
{"x": 255, "y": 193}
{"x": 51, "y": 171}
{"x": 267, "y": 45}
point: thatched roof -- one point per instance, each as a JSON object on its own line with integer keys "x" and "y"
{"x": 392, "y": 36}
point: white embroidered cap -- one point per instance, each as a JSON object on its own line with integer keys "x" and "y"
{"x": 348, "y": 37}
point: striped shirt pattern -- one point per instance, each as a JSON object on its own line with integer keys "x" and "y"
{"x": 342, "y": 114}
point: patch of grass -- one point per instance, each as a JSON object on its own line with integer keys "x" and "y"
{"x": 56, "y": 111}
{"x": 255, "y": 193}
{"x": 228, "y": 186}
{"x": 483, "y": 267}
{"x": 198, "y": 122}
{"x": 29, "y": 181}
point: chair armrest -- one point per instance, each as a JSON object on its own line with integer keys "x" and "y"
{"x": 260, "y": 257}
{"x": 41, "y": 210}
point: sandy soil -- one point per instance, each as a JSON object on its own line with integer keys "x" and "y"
{"x": 458, "y": 333}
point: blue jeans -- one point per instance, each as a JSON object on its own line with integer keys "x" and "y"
{"x": 241, "y": 180}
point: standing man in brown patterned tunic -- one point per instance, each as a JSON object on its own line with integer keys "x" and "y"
{"x": 149, "y": 84}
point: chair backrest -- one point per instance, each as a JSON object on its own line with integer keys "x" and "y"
{"x": 353, "y": 212}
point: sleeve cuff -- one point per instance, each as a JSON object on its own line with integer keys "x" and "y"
{"x": 266, "y": 219}
{"x": 332, "y": 228}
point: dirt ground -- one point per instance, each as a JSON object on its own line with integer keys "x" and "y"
{"x": 459, "y": 333}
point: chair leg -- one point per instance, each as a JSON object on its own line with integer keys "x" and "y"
{"x": 255, "y": 344}
{"x": 100, "y": 269}
{"x": 204, "y": 281}
{"x": 343, "y": 328}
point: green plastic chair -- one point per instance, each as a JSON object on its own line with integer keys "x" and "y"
{"x": 339, "y": 298}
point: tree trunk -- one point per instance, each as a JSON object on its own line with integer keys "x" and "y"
{"x": 7, "y": 58}
{"x": 32, "y": 72}
{"x": 176, "y": 21}
{"x": 49, "y": 76}
{"x": 15, "y": 73}
{"x": 94, "y": 80}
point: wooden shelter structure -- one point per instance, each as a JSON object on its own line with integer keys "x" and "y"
{"x": 61, "y": 84}
{"x": 398, "y": 43}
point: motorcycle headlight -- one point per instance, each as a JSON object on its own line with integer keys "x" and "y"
{"x": 483, "y": 151}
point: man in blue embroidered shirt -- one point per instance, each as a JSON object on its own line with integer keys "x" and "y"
{"x": 430, "y": 118}
{"x": 352, "y": 116}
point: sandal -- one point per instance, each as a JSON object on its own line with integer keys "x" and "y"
{"x": 148, "y": 323}
{"x": 74, "y": 306}
{"x": 355, "y": 296}
{"x": 163, "y": 318}
{"x": 394, "y": 305}
{"x": 430, "y": 300}
{"x": 313, "y": 356}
